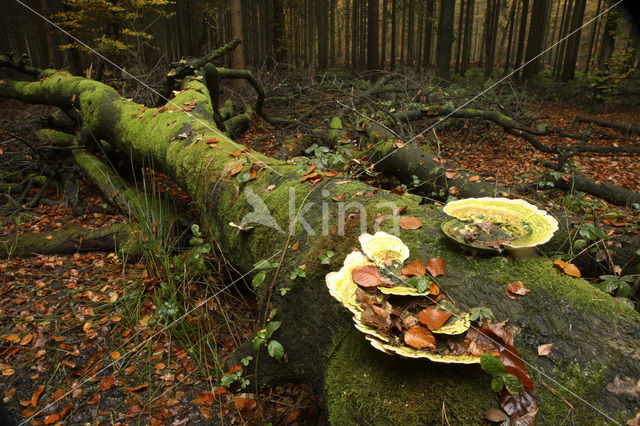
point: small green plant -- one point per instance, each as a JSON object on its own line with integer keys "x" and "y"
{"x": 325, "y": 158}
{"x": 621, "y": 286}
{"x": 298, "y": 272}
{"x": 229, "y": 379}
{"x": 284, "y": 291}
{"x": 263, "y": 266}
{"x": 481, "y": 313}
{"x": 263, "y": 337}
{"x": 501, "y": 379}
{"x": 325, "y": 258}
{"x": 421, "y": 284}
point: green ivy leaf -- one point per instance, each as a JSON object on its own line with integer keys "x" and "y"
{"x": 275, "y": 350}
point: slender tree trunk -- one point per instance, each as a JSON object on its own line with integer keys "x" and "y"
{"x": 466, "y": 46}
{"x": 459, "y": 38}
{"x": 566, "y": 21}
{"x": 428, "y": 34}
{"x": 403, "y": 29}
{"x": 534, "y": 42}
{"x": 524, "y": 13}
{"x": 594, "y": 32}
{"x": 237, "y": 55}
{"x": 332, "y": 32}
{"x": 411, "y": 33}
{"x": 573, "y": 44}
{"x": 323, "y": 41}
{"x": 445, "y": 38}
{"x": 347, "y": 40}
{"x": 383, "y": 46}
{"x": 512, "y": 19}
{"x": 355, "y": 30}
{"x": 279, "y": 39}
{"x": 394, "y": 34}
{"x": 373, "y": 60}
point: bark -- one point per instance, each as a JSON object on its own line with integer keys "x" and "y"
{"x": 362, "y": 385}
{"x": 521, "y": 36}
{"x": 69, "y": 239}
{"x": 445, "y": 38}
{"x": 537, "y": 28}
{"x": 237, "y": 57}
{"x": 573, "y": 43}
{"x": 373, "y": 61}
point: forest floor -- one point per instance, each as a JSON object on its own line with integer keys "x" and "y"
{"x": 83, "y": 329}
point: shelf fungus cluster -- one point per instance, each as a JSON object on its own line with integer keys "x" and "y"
{"x": 494, "y": 224}
{"x": 398, "y": 306}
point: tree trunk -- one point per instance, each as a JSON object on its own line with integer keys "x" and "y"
{"x": 522, "y": 35}
{"x": 594, "y": 33}
{"x": 573, "y": 43}
{"x": 383, "y": 45}
{"x": 445, "y": 38}
{"x": 373, "y": 60}
{"x": 237, "y": 56}
{"x": 428, "y": 34}
{"x": 534, "y": 42}
{"x": 459, "y": 45}
{"x": 468, "y": 28}
{"x": 394, "y": 34}
{"x": 362, "y": 385}
{"x": 512, "y": 19}
{"x": 279, "y": 39}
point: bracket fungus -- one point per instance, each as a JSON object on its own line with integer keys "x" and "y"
{"x": 489, "y": 224}
{"x": 431, "y": 327}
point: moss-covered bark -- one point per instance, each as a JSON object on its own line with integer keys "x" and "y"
{"x": 596, "y": 337}
{"x": 68, "y": 240}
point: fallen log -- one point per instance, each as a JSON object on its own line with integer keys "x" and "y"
{"x": 595, "y": 337}
{"x": 69, "y": 239}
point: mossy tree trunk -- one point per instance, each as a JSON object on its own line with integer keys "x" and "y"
{"x": 595, "y": 337}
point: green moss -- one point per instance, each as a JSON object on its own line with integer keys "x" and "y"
{"x": 585, "y": 382}
{"x": 403, "y": 392}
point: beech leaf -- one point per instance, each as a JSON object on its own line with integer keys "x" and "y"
{"x": 544, "y": 350}
{"x": 366, "y": 276}
{"x": 516, "y": 288}
{"x": 414, "y": 268}
{"x": 433, "y": 318}
{"x": 410, "y": 222}
{"x": 419, "y": 337}
{"x": 435, "y": 266}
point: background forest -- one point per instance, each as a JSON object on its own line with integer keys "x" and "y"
{"x": 133, "y": 291}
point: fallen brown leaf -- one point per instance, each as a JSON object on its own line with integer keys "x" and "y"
{"x": 419, "y": 337}
{"x": 414, "y": 268}
{"x": 410, "y": 222}
{"x": 436, "y": 267}
{"x": 366, "y": 276}
{"x": 544, "y": 350}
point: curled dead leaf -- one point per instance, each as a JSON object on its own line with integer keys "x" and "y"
{"x": 544, "y": 350}
{"x": 568, "y": 268}
{"x": 516, "y": 288}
